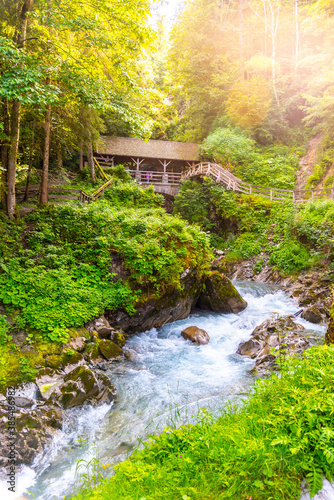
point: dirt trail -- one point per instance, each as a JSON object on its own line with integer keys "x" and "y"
{"x": 307, "y": 162}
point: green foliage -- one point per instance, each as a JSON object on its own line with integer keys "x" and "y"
{"x": 63, "y": 276}
{"x": 131, "y": 195}
{"x": 294, "y": 239}
{"x": 317, "y": 175}
{"x": 291, "y": 257}
{"x": 329, "y": 181}
{"x": 273, "y": 166}
{"x": 261, "y": 449}
{"x": 4, "y": 331}
{"x": 315, "y": 223}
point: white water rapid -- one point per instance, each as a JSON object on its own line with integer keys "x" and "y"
{"x": 168, "y": 383}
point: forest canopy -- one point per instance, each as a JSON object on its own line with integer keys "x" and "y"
{"x": 73, "y": 70}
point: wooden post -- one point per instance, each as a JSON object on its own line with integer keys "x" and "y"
{"x": 137, "y": 162}
{"x": 165, "y": 164}
{"x": 250, "y": 189}
{"x": 332, "y": 194}
{"x": 271, "y": 195}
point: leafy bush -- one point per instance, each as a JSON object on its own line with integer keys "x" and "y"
{"x": 132, "y": 195}
{"x": 315, "y": 224}
{"x": 291, "y": 256}
{"x": 329, "y": 181}
{"x": 262, "y": 449}
{"x": 4, "y": 331}
{"x": 273, "y": 166}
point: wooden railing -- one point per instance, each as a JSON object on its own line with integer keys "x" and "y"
{"x": 84, "y": 197}
{"x": 152, "y": 177}
{"x": 230, "y": 181}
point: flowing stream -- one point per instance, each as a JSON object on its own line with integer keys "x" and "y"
{"x": 167, "y": 384}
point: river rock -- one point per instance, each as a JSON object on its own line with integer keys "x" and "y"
{"x": 130, "y": 354}
{"x": 275, "y": 337}
{"x": 329, "y": 338}
{"x": 103, "y": 328}
{"x": 34, "y": 430}
{"x": 83, "y": 385}
{"x": 312, "y": 314}
{"x": 154, "y": 312}
{"x": 220, "y": 295}
{"x": 110, "y": 350}
{"x": 195, "y": 335}
{"x": 77, "y": 344}
{"x": 48, "y": 380}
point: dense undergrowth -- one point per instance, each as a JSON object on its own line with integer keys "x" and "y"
{"x": 56, "y": 266}
{"x": 259, "y": 450}
{"x": 275, "y": 166}
{"x": 295, "y": 238}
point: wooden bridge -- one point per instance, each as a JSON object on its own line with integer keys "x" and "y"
{"x": 168, "y": 183}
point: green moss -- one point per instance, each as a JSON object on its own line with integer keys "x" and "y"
{"x": 120, "y": 339}
{"x": 109, "y": 349}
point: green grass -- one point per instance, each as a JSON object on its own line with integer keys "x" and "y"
{"x": 259, "y": 450}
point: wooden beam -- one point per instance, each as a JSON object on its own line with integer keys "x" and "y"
{"x": 165, "y": 164}
{"x": 137, "y": 162}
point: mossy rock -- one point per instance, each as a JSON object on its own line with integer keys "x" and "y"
{"x": 329, "y": 338}
{"x": 93, "y": 353}
{"x": 66, "y": 359}
{"x": 54, "y": 362}
{"x": 220, "y": 295}
{"x": 84, "y": 385}
{"x": 119, "y": 339}
{"x": 109, "y": 349}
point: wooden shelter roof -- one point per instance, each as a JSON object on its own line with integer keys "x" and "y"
{"x": 125, "y": 146}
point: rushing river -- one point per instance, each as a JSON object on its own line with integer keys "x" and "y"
{"x": 167, "y": 384}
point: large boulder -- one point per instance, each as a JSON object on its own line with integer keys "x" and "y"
{"x": 220, "y": 295}
{"x": 154, "y": 312}
{"x": 34, "y": 430}
{"x": 48, "y": 380}
{"x": 274, "y": 338}
{"x": 83, "y": 385}
{"x": 110, "y": 350}
{"x": 102, "y": 327}
{"x": 312, "y": 314}
{"x": 195, "y": 335}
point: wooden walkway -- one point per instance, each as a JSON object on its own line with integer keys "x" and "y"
{"x": 230, "y": 181}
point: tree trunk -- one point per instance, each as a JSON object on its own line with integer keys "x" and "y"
{"x": 59, "y": 158}
{"x": 91, "y": 160}
{"x": 44, "y": 184}
{"x": 12, "y": 157}
{"x": 20, "y": 37}
{"x": 81, "y": 162}
{"x": 4, "y": 153}
{"x": 26, "y": 194}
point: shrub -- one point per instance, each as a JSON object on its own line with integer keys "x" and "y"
{"x": 273, "y": 166}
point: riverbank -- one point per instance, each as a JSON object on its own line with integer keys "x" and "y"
{"x": 165, "y": 382}
{"x": 280, "y": 435}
